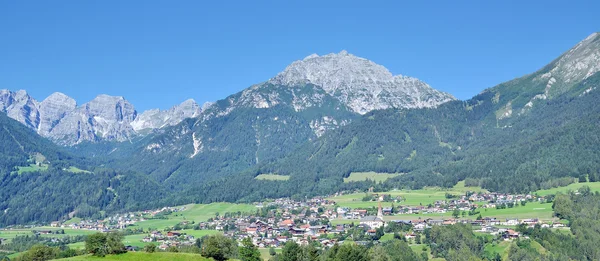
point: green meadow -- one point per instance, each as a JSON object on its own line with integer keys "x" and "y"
{"x": 409, "y": 197}
{"x": 196, "y": 213}
{"x": 594, "y": 186}
{"x": 32, "y": 168}
{"x": 531, "y": 210}
{"x": 264, "y": 253}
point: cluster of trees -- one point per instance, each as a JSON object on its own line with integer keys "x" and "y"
{"x": 41, "y": 252}
{"x": 393, "y": 250}
{"x": 102, "y": 244}
{"x": 23, "y": 243}
{"x": 51, "y": 195}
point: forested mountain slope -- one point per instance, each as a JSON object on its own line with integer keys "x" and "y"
{"x": 64, "y": 185}
{"x": 514, "y": 137}
{"x": 19, "y": 144}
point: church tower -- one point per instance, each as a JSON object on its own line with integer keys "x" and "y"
{"x": 380, "y": 211}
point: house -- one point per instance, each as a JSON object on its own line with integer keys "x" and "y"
{"x": 511, "y": 222}
{"x": 286, "y": 223}
{"x": 387, "y": 211}
{"x": 173, "y": 234}
{"x": 371, "y": 232}
{"x": 435, "y": 222}
{"x": 510, "y": 234}
{"x": 530, "y": 221}
{"x": 55, "y": 224}
{"x": 297, "y": 231}
{"x": 419, "y": 227}
{"x": 372, "y": 222}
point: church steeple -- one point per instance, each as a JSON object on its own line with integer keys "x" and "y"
{"x": 380, "y": 211}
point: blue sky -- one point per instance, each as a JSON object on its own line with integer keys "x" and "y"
{"x": 158, "y": 53}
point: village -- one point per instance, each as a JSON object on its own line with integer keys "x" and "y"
{"x": 322, "y": 221}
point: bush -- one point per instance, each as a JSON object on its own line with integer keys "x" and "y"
{"x": 150, "y": 248}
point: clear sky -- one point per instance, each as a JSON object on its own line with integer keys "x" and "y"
{"x": 159, "y": 53}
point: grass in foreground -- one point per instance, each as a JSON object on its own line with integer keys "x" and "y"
{"x": 142, "y": 256}
{"x": 273, "y": 177}
{"x": 374, "y": 176}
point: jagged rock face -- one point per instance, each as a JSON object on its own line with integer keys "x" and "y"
{"x": 577, "y": 64}
{"x": 563, "y": 75}
{"x": 361, "y": 84}
{"x": 153, "y": 119}
{"x": 103, "y": 118}
{"x": 21, "y": 107}
{"x": 106, "y": 117}
{"x": 52, "y": 110}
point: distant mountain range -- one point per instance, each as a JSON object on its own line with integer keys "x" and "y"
{"x": 320, "y": 119}
{"x": 354, "y": 82}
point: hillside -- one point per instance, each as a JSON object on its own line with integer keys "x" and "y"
{"x": 519, "y": 136}
{"x": 19, "y": 144}
{"x": 52, "y": 184}
{"x": 504, "y": 139}
{"x": 268, "y": 121}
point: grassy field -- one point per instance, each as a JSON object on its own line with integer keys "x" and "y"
{"x": 594, "y": 186}
{"x": 32, "y": 168}
{"x": 531, "y": 210}
{"x": 362, "y": 176}
{"x": 74, "y": 220}
{"x": 273, "y": 177}
{"x": 409, "y": 197}
{"x": 264, "y": 253}
{"x": 500, "y": 248}
{"x": 141, "y": 256}
{"x": 195, "y": 212}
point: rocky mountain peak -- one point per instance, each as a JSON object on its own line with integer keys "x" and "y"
{"x": 113, "y": 108}
{"x": 155, "y": 118}
{"x": 53, "y": 108}
{"x": 575, "y": 65}
{"x": 359, "y": 83}
{"x": 20, "y": 106}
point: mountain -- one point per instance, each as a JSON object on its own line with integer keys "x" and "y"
{"x": 505, "y": 139}
{"x": 105, "y": 118}
{"x": 20, "y": 106}
{"x": 63, "y": 185}
{"x": 360, "y": 84}
{"x": 270, "y": 120}
{"x": 20, "y": 144}
{"x": 156, "y": 119}
{"x": 319, "y": 120}
{"x": 513, "y": 137}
